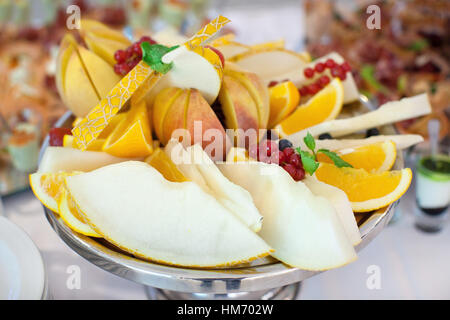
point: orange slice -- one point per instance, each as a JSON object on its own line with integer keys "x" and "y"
{"x": 132, "y": 138}
{"x": 48, "y": 188}
{"x": 284, "y": 98}
{"x": 69, "y": 213}
{"x": 323, "y": 106}
{"x": 161, "y": 162}
{"x": 376, "y": 157}
{"x": 366, "y": 191}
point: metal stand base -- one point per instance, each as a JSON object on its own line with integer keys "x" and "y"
{"x": 289, "y": 292}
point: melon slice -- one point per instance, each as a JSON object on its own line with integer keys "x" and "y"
{"x": 132, "y": 206}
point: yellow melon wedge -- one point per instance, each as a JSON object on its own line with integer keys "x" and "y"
{"x": 68, "y": 213}
{"x": 132, "y": 206}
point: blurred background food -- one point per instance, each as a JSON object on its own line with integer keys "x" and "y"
{"x": 409, "y": 54}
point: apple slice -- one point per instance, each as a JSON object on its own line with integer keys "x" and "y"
{"x": 191, "y": 70}
{"x": 232, "y": 196}
{"x": 70, "y": 159}
{"x": 132, "y": 206}
{"x": 341, "y": 204}
{"x": 304, "y": 229}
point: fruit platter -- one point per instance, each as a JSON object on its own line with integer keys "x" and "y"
{"x": 216, "y": 167}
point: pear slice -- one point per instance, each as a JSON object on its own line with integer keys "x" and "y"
{"x": 132, "y": 206}
{"x": 70, "y": 159}
{"x": 232, "y": 196}
{"x": 341, "y": 204}
{"x": 304, "y": 229}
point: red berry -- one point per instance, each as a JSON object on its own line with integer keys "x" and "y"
{"x": 147, "y": 39}
{"x": 291, "y": 170}
{"x": 336, "y": 71}
{"x": 343, "y": 76}
{"x": 120, "y": 56}
{"x": 299, "y": 174}
{"x": 281, "y": 157}
{"x": 346, "y": 67}
{"x": 56, "y": 136}
{"x": 288, "y": 152}
{"x": 273, "y": 83}
{"x": 309, "y": 72}
{"x": 295, "y": 160}
{"x": 136, "y": 47}
{"x": 330, "y": 63}
{"x": 129, "y": 52}
{"x": 313, "y": 88}
{"x": 303, "y": 91}
{"x": 324, "y": 80}
{"x": 319, "y": 67}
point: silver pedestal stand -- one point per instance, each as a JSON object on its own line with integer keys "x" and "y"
{"x": 262, "y": 279}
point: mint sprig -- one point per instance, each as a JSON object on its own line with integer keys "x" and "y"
{"x": 152, "y": 55}
{"x": 309, "y": 158}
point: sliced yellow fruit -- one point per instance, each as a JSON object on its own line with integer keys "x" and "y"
{"x": 366, "y": 191}
{"x": 270, "y": 45}
{"x": 323, "y": 106}
{"x": 238, "y": 155}
{"x": 374, "y": 158}
{"x": 115, "y": 121}
{"x": 132, "y": 138}
{"x": 161, "y": 162}
{"x": 284, "y": 98}
{"x": 96, "y": 145}
{"x": 139, "y": 81}
{"x": 48, "y": 188}
{"x": 68, "y": 212}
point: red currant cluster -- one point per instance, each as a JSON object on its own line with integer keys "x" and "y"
{"x": 268, "y": 151}
{"x": 127, "y": 59}
{"x": 336, "y": 70}
{"x": 291, "y": 161}
{"x": 56, "y": 136}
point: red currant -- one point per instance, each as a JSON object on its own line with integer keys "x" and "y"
{"x": 303, "y": 91}
{"x": 299, "y": 174}
{"x": 288, "y": 152}
{"x": 324, "y": 80}
{"x": 309, "y": 72}
{"x": 281, "y": 157}
{"x": 330, "y": 63}
{"x": 56, "y": 136}
{"x": 313, "y": 88}
{"x": 346, "y": 67}
{"x": 120, "y": 56}
{"x": 290, "y": 169}
{"x": 319, "y": 67}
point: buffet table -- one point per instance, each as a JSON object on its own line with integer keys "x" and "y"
{"x": 411, "y": 264}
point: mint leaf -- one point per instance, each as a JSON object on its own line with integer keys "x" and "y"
{"x": 310, "y": 143}
{"x": 152, "y": 55}
{"x": 309, "y": 162}
{"x": 338, "y": 162}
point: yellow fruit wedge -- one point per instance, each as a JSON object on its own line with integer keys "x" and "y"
{"x": 323, "y": 106}
{"x": 48, "y": 188}
{"x": 366, "y": 191}
{"x": 111, "y": 126}
{"x": 138, "y": 82}
{"x": 132, "y": 138}
{"x": 374, "y": 158}
{"x": 269, "y": 45}
{"x": 69, "y": 214}
{"x": 284, "y": 98}
{"x": 161, "y": 162}
{"x": 238, "y": 155}
{"x": 96, "y": 145}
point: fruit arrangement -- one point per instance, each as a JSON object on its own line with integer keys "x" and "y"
{"x": 209, "y": 154}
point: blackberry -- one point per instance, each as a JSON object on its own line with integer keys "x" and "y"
{"x": 325, "y": 136}
{"x": 283, "y": 144}
{"x": 372, "y": 132}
